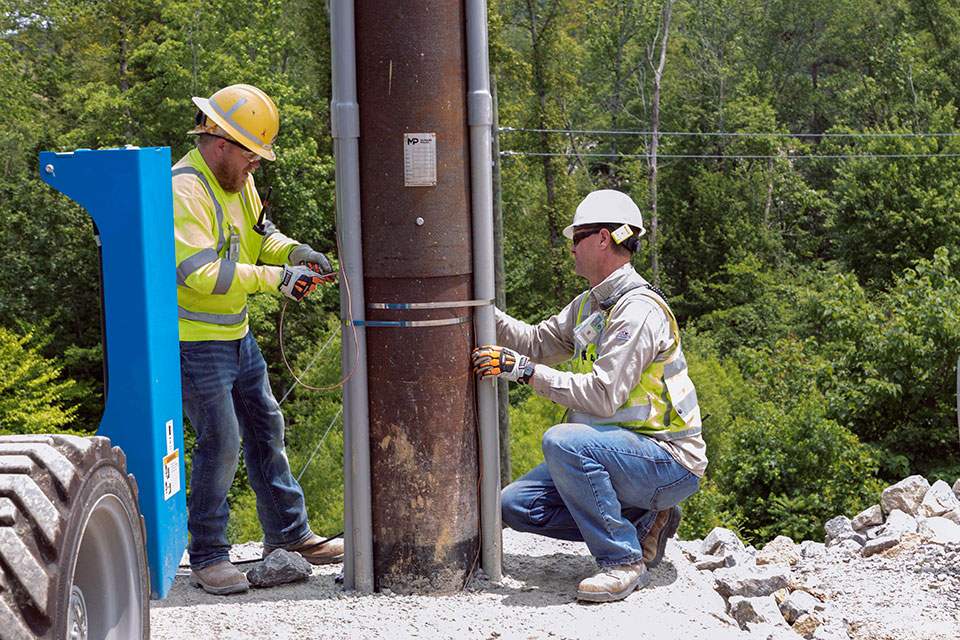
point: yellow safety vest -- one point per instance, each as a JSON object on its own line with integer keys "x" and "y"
{"x": 218, "y": 251}
{"x": 664, "y": 403}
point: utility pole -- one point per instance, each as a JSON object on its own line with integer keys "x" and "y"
{"x": 418, "y": 286}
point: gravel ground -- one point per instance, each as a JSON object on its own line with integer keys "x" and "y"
{"x": 907, "y": 593}
{"x": 535, "y": 600}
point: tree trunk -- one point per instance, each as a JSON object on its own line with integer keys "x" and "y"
{"x": 655, "y": 142}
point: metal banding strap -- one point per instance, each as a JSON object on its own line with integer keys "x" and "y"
{"x": 429, "y": 305}
{"x": 216, "y": 204}
{"x": 212, "y": 318}
{"x": 411, "y": 323}
{"x": 228, "y": 116}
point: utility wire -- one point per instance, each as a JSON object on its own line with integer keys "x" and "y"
{"x": 317, "y": 448}
{"x": 734, "y": 134}
{"x": 307, "y": 368}
{"x": 729, "y": 157}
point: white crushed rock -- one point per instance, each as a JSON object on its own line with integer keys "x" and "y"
{"x": 909, "y": 592}
{"x": 536, "y": 600}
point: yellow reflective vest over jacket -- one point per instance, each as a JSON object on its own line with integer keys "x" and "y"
{"x": 638, "y": 334}
{"x": 218, "y": 251}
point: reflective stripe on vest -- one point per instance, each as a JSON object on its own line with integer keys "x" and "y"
{"x": 212, "y": 318}
{"x": 228, "y": 268}
{"x": 664, "y": 404}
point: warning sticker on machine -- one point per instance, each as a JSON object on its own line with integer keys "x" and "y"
{"x": 419, "y": 159}
{"x": 171, "y": 474}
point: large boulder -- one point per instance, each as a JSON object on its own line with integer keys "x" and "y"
{"x": 906, "y": 495}
{"x": 899, "y": 523}
{"x": 938, "y": 500}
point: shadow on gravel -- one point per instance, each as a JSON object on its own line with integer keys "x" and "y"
{"x": 553, "y": 579}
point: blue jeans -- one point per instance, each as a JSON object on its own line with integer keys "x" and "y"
{"x": 227, "y": 397}
{"x": 601, "y": 485}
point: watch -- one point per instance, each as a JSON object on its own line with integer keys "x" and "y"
{"x": 527, "y": 373}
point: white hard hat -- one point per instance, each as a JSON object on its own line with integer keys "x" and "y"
{"x": 606, "y": 206}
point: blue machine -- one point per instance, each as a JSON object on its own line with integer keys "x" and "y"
{"x": 128, "y": 194}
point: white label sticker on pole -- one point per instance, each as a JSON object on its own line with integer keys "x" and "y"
{"x": 419, "y": 159}
{"x": 171, "y": 474}
{"x": 169, "y": 437}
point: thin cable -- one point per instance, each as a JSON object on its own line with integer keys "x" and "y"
{"x": 356, "y": 360}
{"x": 734, "y": 134}
{"x": 734, "y": 157}
{"x": 307, "y": 368}
{"x": 317, "y": 448}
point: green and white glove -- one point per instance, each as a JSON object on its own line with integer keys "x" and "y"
{"x": 304, "y": 254}
{"x": 493, "y": 360}
{"x": 296, "y": 282}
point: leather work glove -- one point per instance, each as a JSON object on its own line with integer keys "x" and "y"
{"x": 493, "y": 360}
{"x": 296, "y": 282}
{"x": 304, "y": 254}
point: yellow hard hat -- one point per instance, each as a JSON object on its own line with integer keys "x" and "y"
{"x": 242, "y": 113}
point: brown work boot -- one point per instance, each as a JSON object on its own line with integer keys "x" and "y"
{"x": 664, "y": 526}
{"x": 613, "y": 583}
{"x": 220, "y": 579}
{"x": 315, "y": 550}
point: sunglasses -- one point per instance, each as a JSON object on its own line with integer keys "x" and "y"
{"x": 248, "y": 155}
{"x": 579, "y": 236}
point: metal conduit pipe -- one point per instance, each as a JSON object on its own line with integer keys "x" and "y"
{"x": 480, "y": 121}
{"x": 345, "y": 116}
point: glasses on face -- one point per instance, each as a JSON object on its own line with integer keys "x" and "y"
{"x": 577, "y": 237}
{"x": 248, "y": 155}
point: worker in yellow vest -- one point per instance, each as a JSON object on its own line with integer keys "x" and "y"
{"x": 226, "y": 249}
{"x": 629, "y": 450}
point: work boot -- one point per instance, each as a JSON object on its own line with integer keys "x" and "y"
{"x": 314, "y": 550}
{"x": 220, "y": 579}
{"x": 664, "y": 526}
{"x": 613, "y": 583}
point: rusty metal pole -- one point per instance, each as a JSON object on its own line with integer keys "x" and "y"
{"x": 416, "y": 225}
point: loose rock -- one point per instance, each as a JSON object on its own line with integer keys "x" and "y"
{"x": 868, "y": 518}
{"x": 751, "y": 582}
{"x": 797, "y": 604}
{"x": 906, "y": 495}
{"x": 938, "y": 500}
{"x": 280, "y": 567}
{"x": 781, "y": 549}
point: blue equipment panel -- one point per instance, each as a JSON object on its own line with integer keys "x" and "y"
{"x": 128, "y": 194}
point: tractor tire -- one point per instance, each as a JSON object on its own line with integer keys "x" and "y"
{"x": 73, "y": 563}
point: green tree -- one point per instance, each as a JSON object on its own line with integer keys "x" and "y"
{"x": 31, "y": 395}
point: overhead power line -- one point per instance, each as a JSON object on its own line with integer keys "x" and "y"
{"x": 734, "y": 156}
{"x": 733, "y": 134}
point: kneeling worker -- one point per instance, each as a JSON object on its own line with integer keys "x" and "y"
{"x": 221, "y": 237}
{"x": 629, "y": 449}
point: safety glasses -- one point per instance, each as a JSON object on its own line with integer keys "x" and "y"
{"x": 580, "y": 235}
{"x": 248, "y": 155}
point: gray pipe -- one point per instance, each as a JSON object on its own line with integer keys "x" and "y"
{"x": 480, "y": 119}
{"x": 345, "y": 116}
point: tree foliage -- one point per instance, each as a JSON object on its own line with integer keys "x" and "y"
{"x": 817, "y": 291}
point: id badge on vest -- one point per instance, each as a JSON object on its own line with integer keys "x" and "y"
{"x": 233, "y": 253}
{"x": 588, "y": 331}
